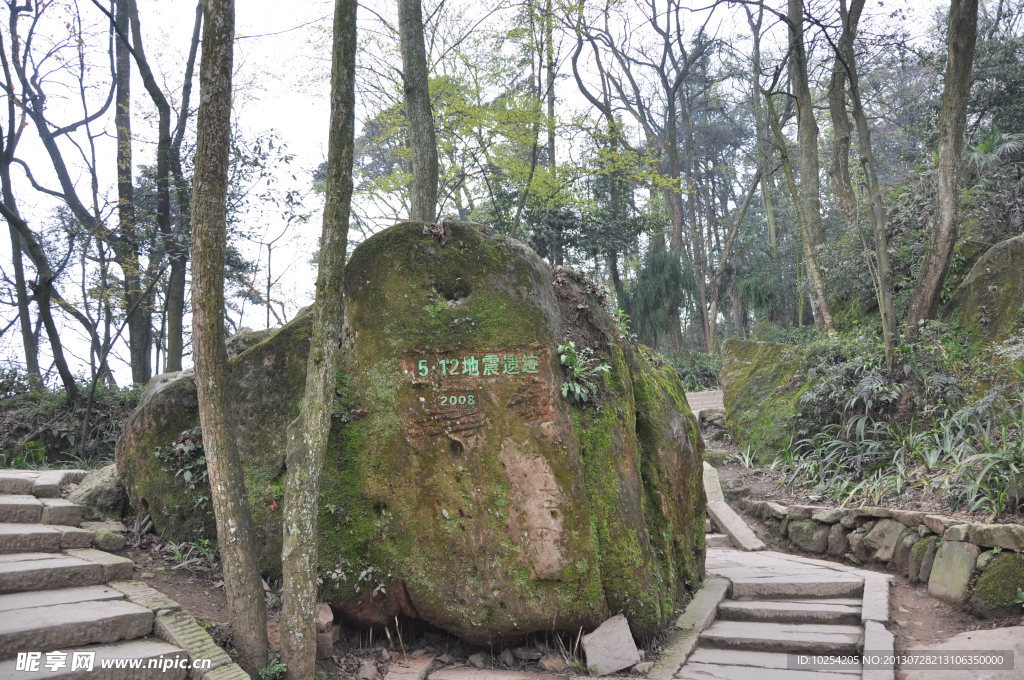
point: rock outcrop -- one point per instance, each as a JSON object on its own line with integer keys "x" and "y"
{"x": 460, "y": 487}
{"x": 762, "y": 383}
{"x": 990, "y": 301}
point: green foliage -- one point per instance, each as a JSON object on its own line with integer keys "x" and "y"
{"x": 39, "y": 427}
{"x": 972, "y": 456}
{"x": 697, "y": 370}
{"x": 581, "y": 371}
{"x": 275, "y": 669}
{"x": 185, "y": 459}
{"x": 658, "y": 290}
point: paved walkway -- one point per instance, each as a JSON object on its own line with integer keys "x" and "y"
{"x": 63, "y": 602}
{"x": 760, "y": 610}
{"x": 705, "y": 399}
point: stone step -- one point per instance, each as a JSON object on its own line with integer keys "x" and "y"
{"x": 789, "y": 611}
{"x": 72, "y": 625}
{"x": 46, "y": 571}
{"x": 17, "y": 481}
{"x": 783, "y": 637}
{"x": 60, "y": 511}
{"x": 717, "y": 541}
{"x": 20, "y": 538}
{"x": 756, "y": 661}
{"x": 138, "y": 651}
{"x": 46, "y": 598}
{"x": 49, "y": 483}
{"x": 782, "y": 587}
{"x": 700, "y": 671}
{"x": 20, "y": 509}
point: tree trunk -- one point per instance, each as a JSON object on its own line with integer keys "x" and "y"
{"x": 883, "y": 276}
{"x": 242, "y": 580}
{"x": 28, "y": 338}
{"x": 422, "y": 140}
{"x": 807, "y": 127}
{"x": 308, "y": 435}
{"x": 819, "y": 301}
{"x": 961, "y": 36}
{"x": 177, "y": 252}
{"x": 139, "y": 330}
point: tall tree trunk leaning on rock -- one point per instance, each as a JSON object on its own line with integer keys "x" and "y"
{"x": 961, "y": 36}
{"x": 422, "y": 139}
{"x": 242, "y": 580}
{"x": 308, "y": 434}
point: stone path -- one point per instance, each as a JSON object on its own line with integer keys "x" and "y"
{"x": 759, "y": 610}
{"x": 62, "y": 600}
{"x": 706, "y": 399}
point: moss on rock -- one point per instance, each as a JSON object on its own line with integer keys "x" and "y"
{"x": 995, "y": 592}
{"x": 481, "y": 502}
{"x": 990, "y": 300}
{"x": 762, "y": 383}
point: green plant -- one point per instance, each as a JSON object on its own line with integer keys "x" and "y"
{"x": 698, "y": 370}
{"x": 622, "y": 323}
{"x": 1019, "y": 599}
{"x": 745, "y": 458}
{"x": 581, "y": 371}
{"x": 185, "y": 459}
{"x": 274, "y": 670}
{"x": 207, "y": 549}
{"x": 182, "y": 554}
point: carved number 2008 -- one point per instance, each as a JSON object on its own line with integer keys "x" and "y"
{"x": 458, "y": 400}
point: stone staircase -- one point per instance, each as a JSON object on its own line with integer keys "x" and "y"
{"x": 760, "y": 608}
{"x": 758, "y": 627}
{"x": 63, "y": 602}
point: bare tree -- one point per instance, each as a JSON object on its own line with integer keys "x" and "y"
{"x": 209, "y": 237}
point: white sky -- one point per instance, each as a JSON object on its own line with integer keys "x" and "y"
{"x": 281, "y": 79}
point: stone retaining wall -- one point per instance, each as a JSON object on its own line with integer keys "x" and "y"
{"x": 975, "y": 566}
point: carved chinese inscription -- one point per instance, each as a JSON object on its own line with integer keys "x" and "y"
{"x": 457, "y": 387}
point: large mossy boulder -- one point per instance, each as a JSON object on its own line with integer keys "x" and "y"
{"x": 460, "y": 487}
{"x": 990, "y": 300}
{"x": 762, "y": 384}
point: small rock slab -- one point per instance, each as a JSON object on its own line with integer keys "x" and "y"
{"x": 1007, "y": 536}
{"x": 712, "y": 486}
{"x": 409, "y": 669}
{"x": 60, "y": 511}
{"x": 883, "y": 538}
{"x": 43, "y": 571}
{"x": 757, "y": 662}
{"x": 72, "y": 625}
{"x": 610, "y": 647}
{"x": 733, "y": 525}
{"x": 16, "y": 538}
{"x": 939, "y": 523}
{"x": 876, "y": 598}
{"x": 951, "y": 571}
{"x": 908, "y": 518}
{"x": 115, "y": 568}
{"x": 699, "y": 671}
